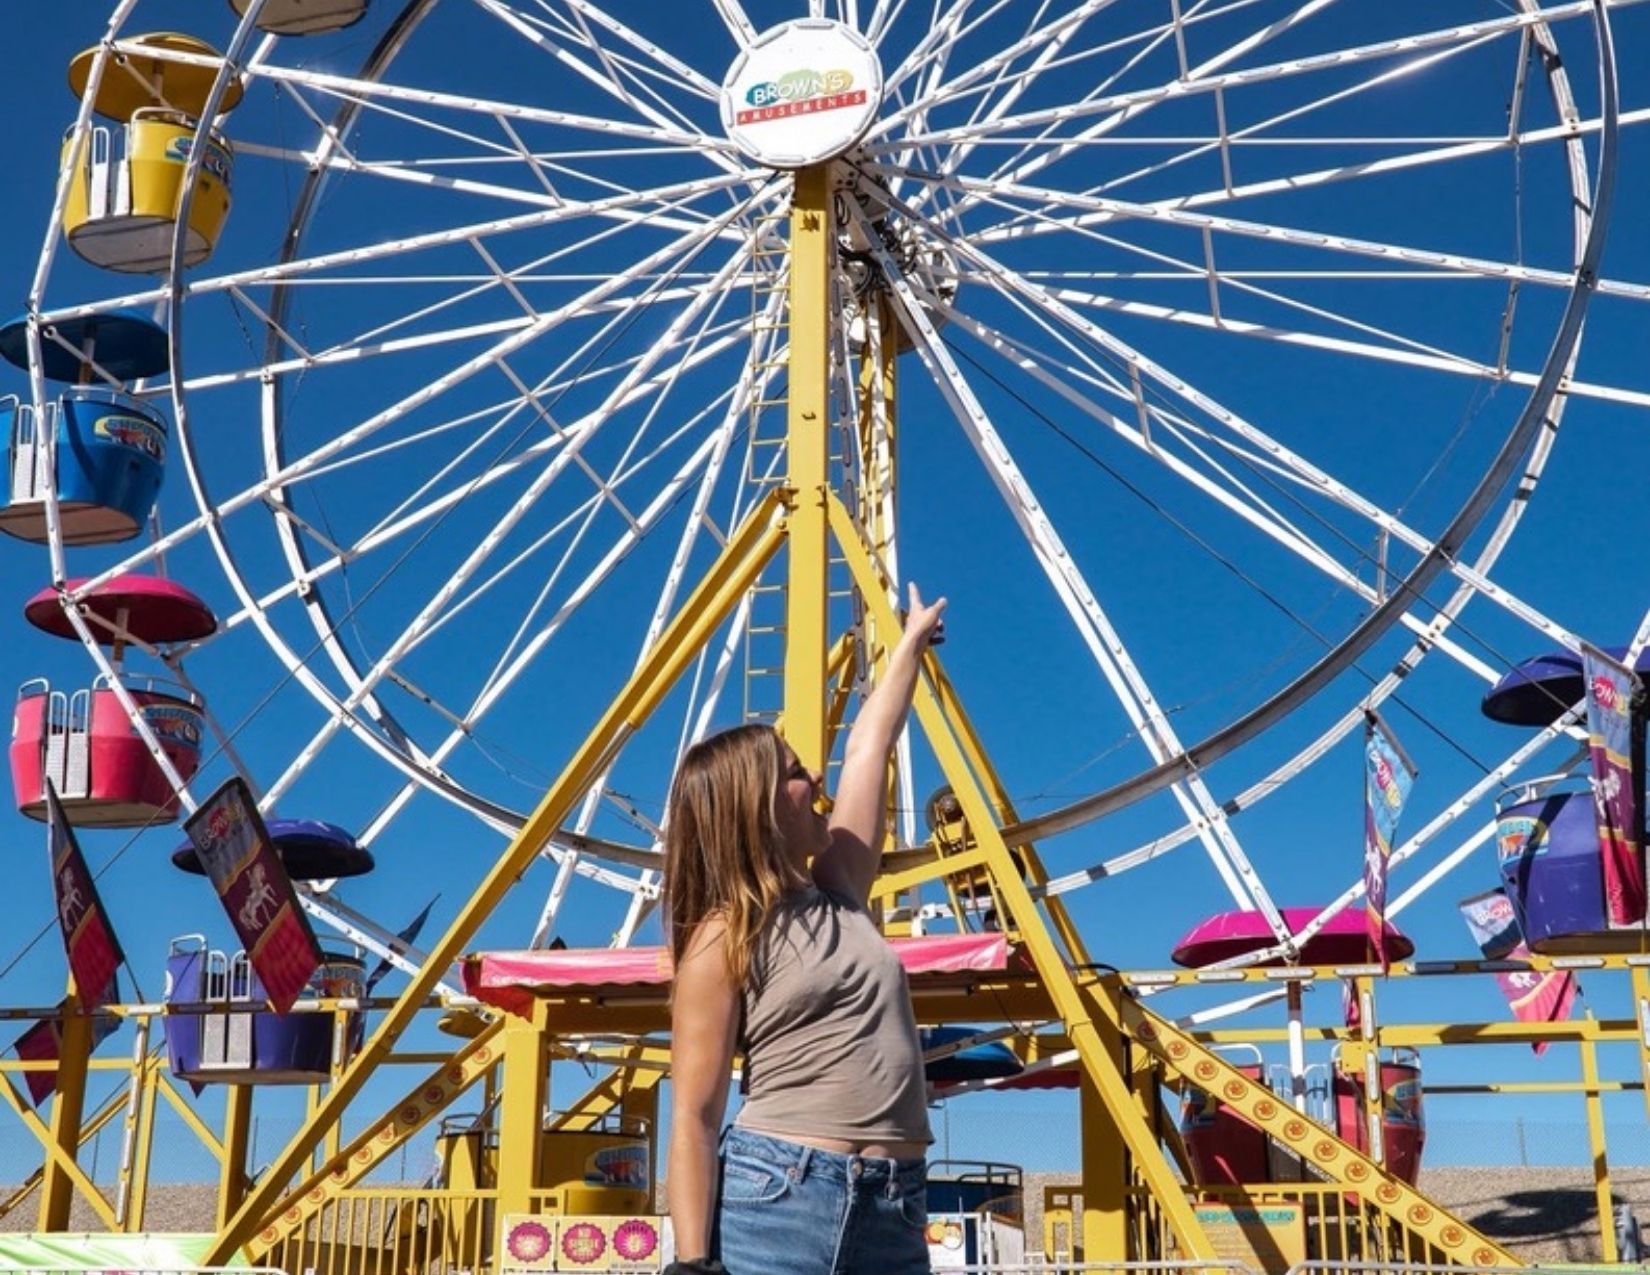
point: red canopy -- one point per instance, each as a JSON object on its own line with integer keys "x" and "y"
{"x": 510, "y": 980}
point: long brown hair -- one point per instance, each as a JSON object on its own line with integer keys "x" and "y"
{"x": 723, "y": 853}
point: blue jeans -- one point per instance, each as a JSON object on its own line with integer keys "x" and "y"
{"x": 787, "y": 1209}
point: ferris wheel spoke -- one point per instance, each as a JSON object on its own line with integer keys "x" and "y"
{"x": 884, "y": 14}
{"x": 608, "y": 78}
{"x": 943, "y": 32}
{"x": 665, "y": 605}
{"x": 1110, "y": 653}
{"x": 569, "y": 453}
{"x": 1226, "y": 142}
{"x": 1218, "y": 484}
{"x": 1272, "y": 72}
{"x": 384, "y": 533}
{"x": 606, "y": 486}
{"x": 1397, "y": 348}
{"x": 355, "y": 926}
{"x": 536, "y": 328}
{"x": 958, "y": 155}
{"x": 518, "y": 657}
{"x": 429, "y": 493}
{"x": 353, "y": 90}
{"x": 1045, "y": 41}
{"x": 1303, "y": 472}
{"x": 1014, "y": 170}
{"x": 1067, "y": 882}
{"x": 1098, "y": 210}
{"x": 641, "y": 202}
{"x": 685, "y": 74}
{"x": 1389, "y": 346}
{"x": 1430, "y": 636}
{"x": 738, "y": 24}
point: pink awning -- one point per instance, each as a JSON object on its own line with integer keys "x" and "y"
{"x": 511, "y": 979}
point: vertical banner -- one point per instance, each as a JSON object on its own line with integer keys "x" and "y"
{"x": 1388, "y": 777}
{"x": 88, "y": 937}
{"x": 1535, "y": 996}
{"x": 251, "y": 881}
{"x": 408, "y": 934}
{"x": 43, "y": 1042}
{"x": 1609, "y": 693}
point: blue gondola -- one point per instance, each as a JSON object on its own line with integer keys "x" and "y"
{"x": 122, "y": 343}
{"x": 111, "y": 446}
{"x": 111, "y": 457}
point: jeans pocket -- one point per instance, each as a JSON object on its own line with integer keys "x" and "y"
{"x": 750, "y": 1181}
{"x": 913, "y": 1209}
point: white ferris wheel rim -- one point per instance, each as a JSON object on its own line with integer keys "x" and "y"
{"x": 1170, "y": 762}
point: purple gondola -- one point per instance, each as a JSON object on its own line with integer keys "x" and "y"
{"x": 239, "y": 1041}
{"x": 1547, "y": 846}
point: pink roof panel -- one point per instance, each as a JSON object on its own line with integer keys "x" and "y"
{"x": 158, "y": 611}
{"x": 1343, "y": 941}
{"x": 510, "y": 979}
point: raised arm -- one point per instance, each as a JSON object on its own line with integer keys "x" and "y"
{"x": 704, "y": 1026}
{"x": 858, "y": 814}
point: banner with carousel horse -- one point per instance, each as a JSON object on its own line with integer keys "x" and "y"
{"x": 246, "y": 870}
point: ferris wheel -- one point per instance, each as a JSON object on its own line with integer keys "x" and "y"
{"x": 1214, "y": 351}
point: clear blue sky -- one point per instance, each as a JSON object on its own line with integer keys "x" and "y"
{"x": 1215, "y": 617}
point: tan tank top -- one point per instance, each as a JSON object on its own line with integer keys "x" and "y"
{"x": 829, "y": 1038}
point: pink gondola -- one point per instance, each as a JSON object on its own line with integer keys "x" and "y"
{"x": 87, "y": 746}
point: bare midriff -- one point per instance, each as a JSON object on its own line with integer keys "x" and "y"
{"x": 873, "y": 1150}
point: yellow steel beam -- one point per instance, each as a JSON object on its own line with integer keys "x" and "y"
{"x": 1097, "y": 1044}
{"x": 405, "y": 1117}
{"x": 58, "y": 1157}
{"x": 1026, "y": 855}
{"x": 137, "y": 1185}
{"x": 637, "y": 1068}
{"x": 807, "y": 454}
{"x": 112, "y": 1107}
{"x": 1180, "y": 1054}
{"x": 237, "y": 1146}
{"x": 1641, "y": 1015}
{"x": 57, "y": 1187}
{"x": 190, "y": 1117}
{"x": 1601, "y": 1161}
{"x": 521, "y": 1110}
{"x": 741, "y": 561}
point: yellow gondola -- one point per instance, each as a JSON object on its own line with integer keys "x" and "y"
{"x": 136, "y": 78}
{"x": 122, "y": 204}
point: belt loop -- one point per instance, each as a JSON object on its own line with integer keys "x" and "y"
{"x": 801, "y": 1169}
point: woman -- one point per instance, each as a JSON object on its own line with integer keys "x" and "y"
{"x": 776, "y": 958}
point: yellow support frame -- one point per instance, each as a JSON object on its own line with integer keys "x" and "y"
{"x": 807, "y": 453}
{"x": 1123, "y": 1050}
{"x": 739, "y": 565}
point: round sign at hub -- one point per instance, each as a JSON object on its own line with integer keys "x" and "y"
{"x": 803, "y": 93}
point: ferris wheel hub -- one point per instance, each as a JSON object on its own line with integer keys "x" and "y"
{"x": 802, "y": 93}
